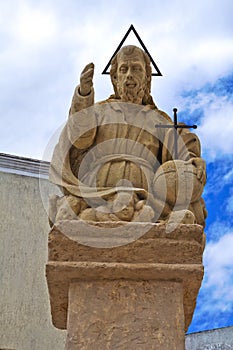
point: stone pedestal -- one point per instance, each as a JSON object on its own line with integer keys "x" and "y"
{"x": 140, "y": 295}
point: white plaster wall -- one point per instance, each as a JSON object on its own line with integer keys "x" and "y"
{"x": 217, "y": 339}
{"x": 25, "y": 322}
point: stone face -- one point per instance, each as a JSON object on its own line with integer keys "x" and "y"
{"x": 120, "y": 153}
{"x": 157, "y": 256}
{"x": 116, "y": 279}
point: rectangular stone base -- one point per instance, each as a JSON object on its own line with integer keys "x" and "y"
{"x": 139, "y": 295}
{"x": 123, "y": 314}
{"x": 61, "y": 274}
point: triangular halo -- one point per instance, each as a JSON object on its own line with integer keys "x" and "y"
{"x": 131, "y": 28}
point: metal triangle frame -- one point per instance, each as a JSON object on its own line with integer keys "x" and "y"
{"x": 131, "y": 28}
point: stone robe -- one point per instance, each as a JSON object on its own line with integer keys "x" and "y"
{"x": 111, "y": 141}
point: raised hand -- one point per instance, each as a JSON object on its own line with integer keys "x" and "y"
{"x": 86, "y": 79}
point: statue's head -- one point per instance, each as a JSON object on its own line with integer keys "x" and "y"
{"x": 131, "y": 75}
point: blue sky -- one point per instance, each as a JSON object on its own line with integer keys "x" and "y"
{"x": 45, "y": 45}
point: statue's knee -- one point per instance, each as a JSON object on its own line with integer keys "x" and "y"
{"x": 66, "y": 208}
{"x": 176, "y": 183}
{"x": 199, "y": 210}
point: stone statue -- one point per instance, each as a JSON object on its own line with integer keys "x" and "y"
{"x": 113, "y": 164}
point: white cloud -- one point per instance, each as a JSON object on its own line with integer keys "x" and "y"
{"x": 229, "y": 205}
{"x": 218, "y": 283}
{"x": 34, "y": 26}
{"x": 215, "y": 301}
{"x": 46, "y": 44}
{"x": 228, "y": 176}
{"x": 216, "y": 129}
{"x": 51, "y": 43}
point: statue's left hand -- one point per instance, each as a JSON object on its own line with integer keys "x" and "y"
{"x": 199, "y": 163}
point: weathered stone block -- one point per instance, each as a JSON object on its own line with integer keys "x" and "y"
{"x": 142, "y": 293}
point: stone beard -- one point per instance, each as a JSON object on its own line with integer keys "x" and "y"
{"x": 123, "y": 190}
{"x": 131, "y": 91}
{"x": 125, "y": 123}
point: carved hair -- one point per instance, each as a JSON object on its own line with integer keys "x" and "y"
{"x": 147, "y": 98}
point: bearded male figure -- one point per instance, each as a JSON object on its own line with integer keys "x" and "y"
{"x": 111, "y": 161}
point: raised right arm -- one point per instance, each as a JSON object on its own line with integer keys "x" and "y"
{"x": 81, "y": 126}
{"x": 84, "y": 93}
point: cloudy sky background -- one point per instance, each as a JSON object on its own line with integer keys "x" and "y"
{"x": 45, "y": 45}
